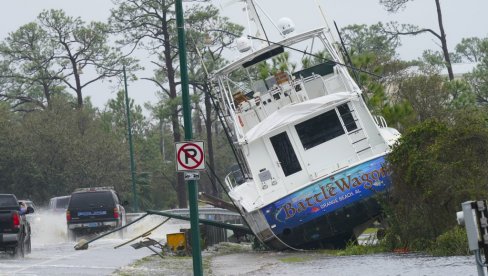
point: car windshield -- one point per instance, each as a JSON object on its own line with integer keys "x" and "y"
{"x": 92, "y": 200}
{"x": 8, "y": 201}
{"x": 62, "y": 203}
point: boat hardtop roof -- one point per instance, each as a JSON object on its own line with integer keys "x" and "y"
{"x": 273, "y": 45}
{"x": 293, "y": 113}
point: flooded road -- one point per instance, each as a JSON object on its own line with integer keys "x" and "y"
{"x": 52, "y": 254}
{"x": 298, "y": 263}
{"x": 62, "y": 259}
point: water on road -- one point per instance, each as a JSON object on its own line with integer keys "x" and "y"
{"x": 52, "y": 254}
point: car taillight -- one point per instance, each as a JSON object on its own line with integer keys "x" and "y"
{"x": 68, "y": 216}
{"x": 116, "y": 213}
{"x": 16, "y": 219}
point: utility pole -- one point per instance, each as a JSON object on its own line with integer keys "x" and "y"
{"x": 135, "y": 205}
{"x": 192, "y": 184}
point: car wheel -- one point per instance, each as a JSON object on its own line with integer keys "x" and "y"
{"x": 29, "y": 246}
{"x": 18, "y": 252}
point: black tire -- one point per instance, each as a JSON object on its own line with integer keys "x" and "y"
{"x": 28, "y": 246}
{"x": 19, "y": 251}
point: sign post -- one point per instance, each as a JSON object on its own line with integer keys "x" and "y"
{"x": 192, "y": 184}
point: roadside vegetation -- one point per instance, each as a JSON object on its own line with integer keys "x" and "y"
{"x": 54, "y": 140}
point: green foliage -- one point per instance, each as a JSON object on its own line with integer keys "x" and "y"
{"x": 355, "y": 249}
{"x": 46, "y": 57}
{"x": 478, "y": 79}
{"x": 315, "y": 59}
{"x": 279, "y": 63}
{"x": 57, "y": 150}
{"x": 426, "y": 94}
{"x": 471, "y": 49}
{"x": 363, "y": 39}
{"x": 453, "y": 242}
{"x": 437, "y": 165}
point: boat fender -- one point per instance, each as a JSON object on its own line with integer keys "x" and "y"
{"x": 240, "y": 121}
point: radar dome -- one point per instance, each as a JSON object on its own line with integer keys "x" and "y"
{"x": 243, "y": 44}
{"x": 286, "y": 26}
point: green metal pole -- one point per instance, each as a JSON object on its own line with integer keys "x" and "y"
{"x": 131, "y": 147}
{"x": 192, "y": 184}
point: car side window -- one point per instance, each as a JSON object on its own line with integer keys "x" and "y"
{"x": 116, "y": 198}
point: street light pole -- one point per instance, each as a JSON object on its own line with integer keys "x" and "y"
{"x": 131, "y": 147}
{"x": 192, "y": 184}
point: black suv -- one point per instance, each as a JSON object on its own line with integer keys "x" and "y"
{"x": 93, "y": 210}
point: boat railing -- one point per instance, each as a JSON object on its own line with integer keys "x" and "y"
{"x": 380, "y": 121}
{"x": 253, "y": 108}
{"x": 234, "y": 179}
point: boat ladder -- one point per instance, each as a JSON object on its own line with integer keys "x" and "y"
{"x": 355, "y": 131}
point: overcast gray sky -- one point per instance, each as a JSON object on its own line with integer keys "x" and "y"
{"x": 462, "y": 18}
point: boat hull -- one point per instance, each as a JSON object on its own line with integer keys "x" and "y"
{"x": 326, "y": 213}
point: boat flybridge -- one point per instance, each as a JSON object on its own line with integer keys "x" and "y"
{"x": 311, "y": 155}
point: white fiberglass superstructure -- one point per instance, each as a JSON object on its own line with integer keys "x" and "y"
{"x": 311, "y": 155}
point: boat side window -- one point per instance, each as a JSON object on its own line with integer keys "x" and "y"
{"x": 319, "y": 129}
{"x": 285, "y": 153}
{"x": 347, "y": 117}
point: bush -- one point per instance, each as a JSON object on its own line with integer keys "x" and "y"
{"x": 436, "y": 166}
{"x": 452, "y": 243}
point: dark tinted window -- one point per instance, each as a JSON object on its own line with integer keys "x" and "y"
{"x": 8, "y": 201}
{"x": 347, "y": 117}
{"x": 319, "y": 129}
{"x": 62, "y": 203}
{"x": 102, "y": 199}
{"x": 285, "y": 153}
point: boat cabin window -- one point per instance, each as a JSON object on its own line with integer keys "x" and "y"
{"x": 319, "y": 129}
{"x": 347, "y": 118}
{"x": 285, "y": 153}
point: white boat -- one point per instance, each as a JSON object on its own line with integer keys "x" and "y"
{"x": 311, "y": 155}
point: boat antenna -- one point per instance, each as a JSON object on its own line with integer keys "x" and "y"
{"x": 323, "y": 14}
{"x": 254, "y": 16}
{"x": 346, "y": 53}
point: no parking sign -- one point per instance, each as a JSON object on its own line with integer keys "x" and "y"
{"x": 190, "y": 156}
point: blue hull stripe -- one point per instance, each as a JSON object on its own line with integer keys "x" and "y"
{"x": 327, "y": 195}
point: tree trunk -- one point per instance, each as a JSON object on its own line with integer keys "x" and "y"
{"x": 168, "y": 59}
{"x": 76, "y": 74}
{"x": 161, "y": 138}
{"x": 445, "y": 51}
{"x": 197, "y": 119}
{"x": 210, "y": 150}
{"x": 47, "y": 94}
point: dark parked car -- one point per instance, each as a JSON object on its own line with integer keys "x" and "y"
{"x": 15, "y": 231}
{"x": 94, "y": 210}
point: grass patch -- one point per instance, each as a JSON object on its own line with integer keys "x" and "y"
{"x": 229, "y": 248}
{"x": 370, "y": 230}
{"x": 355, "y": 249}
{"x": 294, "y": 259}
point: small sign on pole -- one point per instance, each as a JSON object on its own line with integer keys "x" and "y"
{"x": 192, "y": 176}
{"x": 190, "y": 156}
